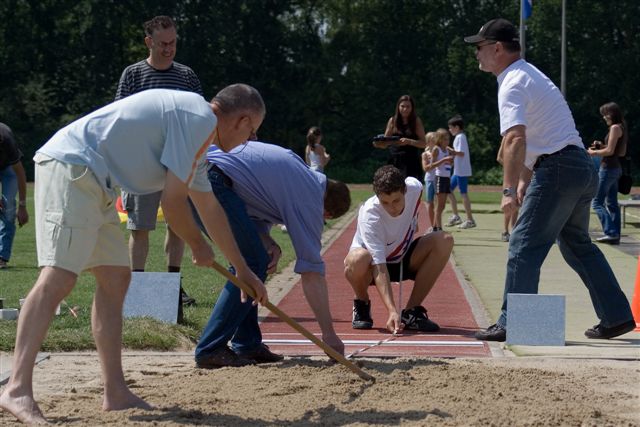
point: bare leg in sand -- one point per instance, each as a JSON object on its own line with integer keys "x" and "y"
{"x": 52, "y": 286}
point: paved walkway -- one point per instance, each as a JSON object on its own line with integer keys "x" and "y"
{"x": 481, "y": 255}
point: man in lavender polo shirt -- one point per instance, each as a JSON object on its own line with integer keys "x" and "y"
{"x": 258, "y": 185}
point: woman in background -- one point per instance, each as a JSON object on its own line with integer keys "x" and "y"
{"x": 605, "y": 204}
{"x": 405, "y": 153}
{"x": 314, "y": 154}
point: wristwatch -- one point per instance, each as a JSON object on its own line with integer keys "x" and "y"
{"x": 508, "y": 192}
{"x": 22, "y": 203}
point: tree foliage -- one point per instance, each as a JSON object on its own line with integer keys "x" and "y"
{"x": 338, "y": 64}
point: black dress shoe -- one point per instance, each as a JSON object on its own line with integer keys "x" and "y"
{"x": 187, "y": 301}
{"x": 262, "y": 355}
{"x": 492, "y": 333}
{"x": 603, "y": 333}
{"x": 222, "y": 357}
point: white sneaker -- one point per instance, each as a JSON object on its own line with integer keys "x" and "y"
{"x": 467, "y": 224}
{"x": 505, "y": 236}
{"x": 283, "y": 228}
{"x": 454, "y": 220}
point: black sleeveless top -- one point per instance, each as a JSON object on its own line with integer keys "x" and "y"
{"x": 613, "y": 161}
{"x": 407, "y": 158}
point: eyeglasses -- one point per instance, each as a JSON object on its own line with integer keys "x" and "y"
{"x": 479, "y": 46}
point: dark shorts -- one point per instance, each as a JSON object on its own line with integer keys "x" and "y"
{"x": 443, "y": 185}
{"x": 394, "y": 268}
{"x": 142, "y": 210}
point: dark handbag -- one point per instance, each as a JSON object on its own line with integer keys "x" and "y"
{"x": 625, "y": 181}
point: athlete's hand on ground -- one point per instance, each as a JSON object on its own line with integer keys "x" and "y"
{"x": 333, "y": 341}
{"x": 256, "y": 284}
{"x": 202, "y": 255}
{"x": 394, "y": 324}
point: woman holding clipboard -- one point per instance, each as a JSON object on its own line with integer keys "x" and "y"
{"x": 405, "y": 138}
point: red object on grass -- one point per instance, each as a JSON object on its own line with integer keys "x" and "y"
{"x": 119, "y": 206}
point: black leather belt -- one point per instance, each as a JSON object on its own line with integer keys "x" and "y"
{"x": 544, "y": 156}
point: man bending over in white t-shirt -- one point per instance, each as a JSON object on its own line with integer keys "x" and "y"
{"x": 383, "y": 250}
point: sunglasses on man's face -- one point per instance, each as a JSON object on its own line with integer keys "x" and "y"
{"x": 480, "y": 46}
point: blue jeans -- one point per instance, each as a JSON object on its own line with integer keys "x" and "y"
{"x": 608, "y": 215}
{"x": 232, "y": 320}
{"x": 556, "y": 208}
{"x": 9, "y": 182}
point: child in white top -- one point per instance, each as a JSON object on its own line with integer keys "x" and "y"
{"x": 442, "y": 164}
{"x": 461, "y": 173}
{"x": 315, "y": 154}
{"x": 429, "y": 176}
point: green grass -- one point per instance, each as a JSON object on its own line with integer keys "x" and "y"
{"x": 68, "y": 333}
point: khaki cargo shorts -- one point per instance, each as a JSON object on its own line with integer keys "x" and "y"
{"x": 77, "y": 226}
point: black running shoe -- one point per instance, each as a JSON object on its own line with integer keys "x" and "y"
{"x": 362, "y": 315}
{"x": 416, "y": 319}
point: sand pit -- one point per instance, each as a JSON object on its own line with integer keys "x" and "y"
{"x": 301, "y": 391}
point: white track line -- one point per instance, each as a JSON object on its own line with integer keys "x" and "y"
{"x": 384, "y": 342}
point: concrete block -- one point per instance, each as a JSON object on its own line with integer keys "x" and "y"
{"x": 534, "y": 319}
{"x": 8, "y": 313}
{"x": 153, "y": 295}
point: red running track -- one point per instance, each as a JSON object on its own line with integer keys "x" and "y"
{"x": 446, "y": 304}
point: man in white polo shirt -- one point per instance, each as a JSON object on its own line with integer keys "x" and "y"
{"x": 155, "y": 140}
{"x": 548, "y": 172}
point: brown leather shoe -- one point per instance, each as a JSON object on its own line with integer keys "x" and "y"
{"x": 222, "y": 357}
{"x": 262, "y": 355}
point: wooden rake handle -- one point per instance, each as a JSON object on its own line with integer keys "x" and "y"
{"x": 295, "y": 325}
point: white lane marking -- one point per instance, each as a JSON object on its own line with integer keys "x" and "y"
{"x": 374, "y": 342}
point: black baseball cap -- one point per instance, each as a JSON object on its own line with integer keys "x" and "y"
{"x": 499, "y": 30}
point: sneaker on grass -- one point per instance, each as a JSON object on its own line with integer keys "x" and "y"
{"x": 454, "y": 220}
{"x": 467, "y": 224}
{"x": 362, "y": 315}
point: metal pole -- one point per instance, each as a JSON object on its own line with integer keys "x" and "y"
{"x": 563, "y": 51}
{"x": 522, "y": 30}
